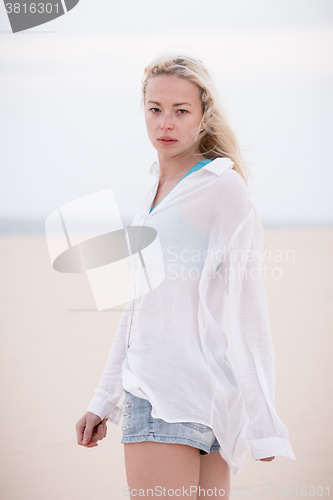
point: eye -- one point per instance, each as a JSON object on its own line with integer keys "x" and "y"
{"x": 185, "y": 111}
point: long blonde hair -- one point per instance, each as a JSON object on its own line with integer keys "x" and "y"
{"x": 217, "y": 139}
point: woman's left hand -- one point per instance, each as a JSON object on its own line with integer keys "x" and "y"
{"x": 268, "y": 459}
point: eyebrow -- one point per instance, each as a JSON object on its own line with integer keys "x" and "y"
{"x": 178, "y": 104}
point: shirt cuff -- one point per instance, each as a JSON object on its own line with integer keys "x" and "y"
{"x": 103, "y": 409}
{"x": 271, "y": 447}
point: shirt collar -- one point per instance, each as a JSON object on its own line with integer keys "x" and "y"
{"x": 217, "y": 166}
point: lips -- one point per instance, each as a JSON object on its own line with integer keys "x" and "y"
{"x": 167, "y": 140}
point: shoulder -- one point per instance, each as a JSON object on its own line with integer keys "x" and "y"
{"x": 235, "y": 198}
{"x": 234, "y": 181}
{"x": 230, "y": 206}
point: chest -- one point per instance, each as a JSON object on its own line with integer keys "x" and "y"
{"x": 163, "y": 190}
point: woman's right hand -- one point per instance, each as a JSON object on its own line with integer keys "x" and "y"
{"x": 90, "y": 429}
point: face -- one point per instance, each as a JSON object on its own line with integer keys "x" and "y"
{"x": 172, "y": 109}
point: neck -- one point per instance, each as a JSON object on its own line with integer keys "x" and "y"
{"x": 175, "y": 168}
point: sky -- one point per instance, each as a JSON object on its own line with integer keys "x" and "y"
{"x": 71, "y": 123}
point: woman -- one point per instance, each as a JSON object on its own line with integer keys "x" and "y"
{"x": 191, "y": 368}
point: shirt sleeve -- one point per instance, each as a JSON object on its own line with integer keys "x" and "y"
{"x": 250, "y": 344}
{"x": 109, "y": 390}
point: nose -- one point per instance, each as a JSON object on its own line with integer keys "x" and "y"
{"x": 166, "y": 122}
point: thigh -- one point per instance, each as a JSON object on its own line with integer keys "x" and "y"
{"x": 214, "y": 473}
{"x": 139, "y": 425}
{"x": 162, "y": 468}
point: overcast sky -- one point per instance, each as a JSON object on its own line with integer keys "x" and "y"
{"x": 71, "y": 123}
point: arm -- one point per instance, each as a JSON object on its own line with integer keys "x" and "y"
{"x": 250, "y": 343}
{"x": 109, "y": 390}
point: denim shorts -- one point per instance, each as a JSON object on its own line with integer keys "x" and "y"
{"x": 138, "y": 425}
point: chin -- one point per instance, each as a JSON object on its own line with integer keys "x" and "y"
{"x": 167, "y": 150}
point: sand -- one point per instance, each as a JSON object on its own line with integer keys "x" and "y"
{"x": 54, "y": 346}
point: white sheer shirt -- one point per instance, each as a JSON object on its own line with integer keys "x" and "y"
{"x": 198, "y": 346}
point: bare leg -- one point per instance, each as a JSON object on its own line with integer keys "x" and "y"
{"x": 214, "y": 473}
{"x": 155, "y": 466}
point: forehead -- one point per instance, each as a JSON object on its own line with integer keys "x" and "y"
{"x": 167, "y": 86}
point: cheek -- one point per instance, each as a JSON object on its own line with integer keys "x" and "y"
{"x": 149, "y": 123}
{"x": 190, "y": 127}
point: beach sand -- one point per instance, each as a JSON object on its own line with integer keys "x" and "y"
{"x": 54, "y": 346}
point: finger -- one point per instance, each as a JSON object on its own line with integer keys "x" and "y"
{"x": 98, "y": 434}
{"x": 90, "y": 445}
{"x": 79, "y": 435}
{"x": 103, "y": 431}
{"x": 80, "y": 432}
{"x": 88, "y": 431}
{"x": 99, "y": 431}
{"x": 92, "y": 441}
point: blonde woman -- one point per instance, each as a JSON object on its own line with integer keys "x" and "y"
{"x": 191, "y": 368}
